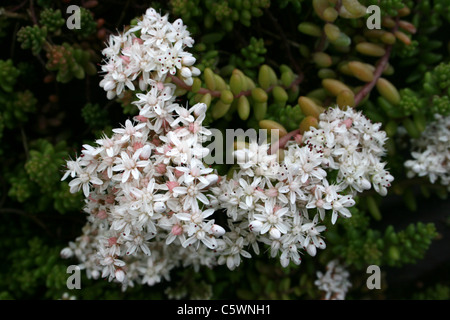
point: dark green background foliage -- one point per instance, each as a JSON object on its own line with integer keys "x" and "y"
{"x": 51, "y": 104}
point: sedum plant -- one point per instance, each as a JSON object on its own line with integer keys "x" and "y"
{"x": 349, "y": 120}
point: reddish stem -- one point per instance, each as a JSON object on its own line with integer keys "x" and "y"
{"x": 282, "y": 141}
{"x": 376, "y": 75}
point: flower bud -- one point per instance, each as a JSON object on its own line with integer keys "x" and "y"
{"x": 217, "y": 230}
{"x": 177, "y": 230}
{"x": 186, "y": 72}
{"x": 119, "y": 274}
{"x": 195, "y": 71}
{"x": 275, "y": 233}
{"x": 255, "y": 226}
{"x": 188, "y": 61}
{"x": 159, "y": 207}
{"x": 199, "y": 109}
{"x": 145, "y": 152}
{"x": 66, "y": 253}
{"x": 212, "y": 178}
{"x": 311, "y": 249}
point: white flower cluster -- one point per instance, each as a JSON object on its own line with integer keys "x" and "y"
{"x": 281, "y": 203}
{"x": 354, "y": 146}
{"x": 335, "y": 281}
{"x": 153, "y": 205}
{"x": 146, "y": 53}
{"x": 431, "y": 152}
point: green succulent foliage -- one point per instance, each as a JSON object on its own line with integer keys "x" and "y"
{"x": 8, "y": 75}
{"x": 437, "y": 292}
{"x": 389, "y": 7}
{"x": 88, "y": 25}
{"x": 32, "y": 37}
{"x": 45, "y": 163}
{"x": 69, "y": 62}
{"x": 250, "y": 56}
{"x": 222, "y": 13}
{"x": 38, "y": 262}
{"x": 36, "y": 183}
{"x": 94, "y": 116}
{"x": 363, "y": 246}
